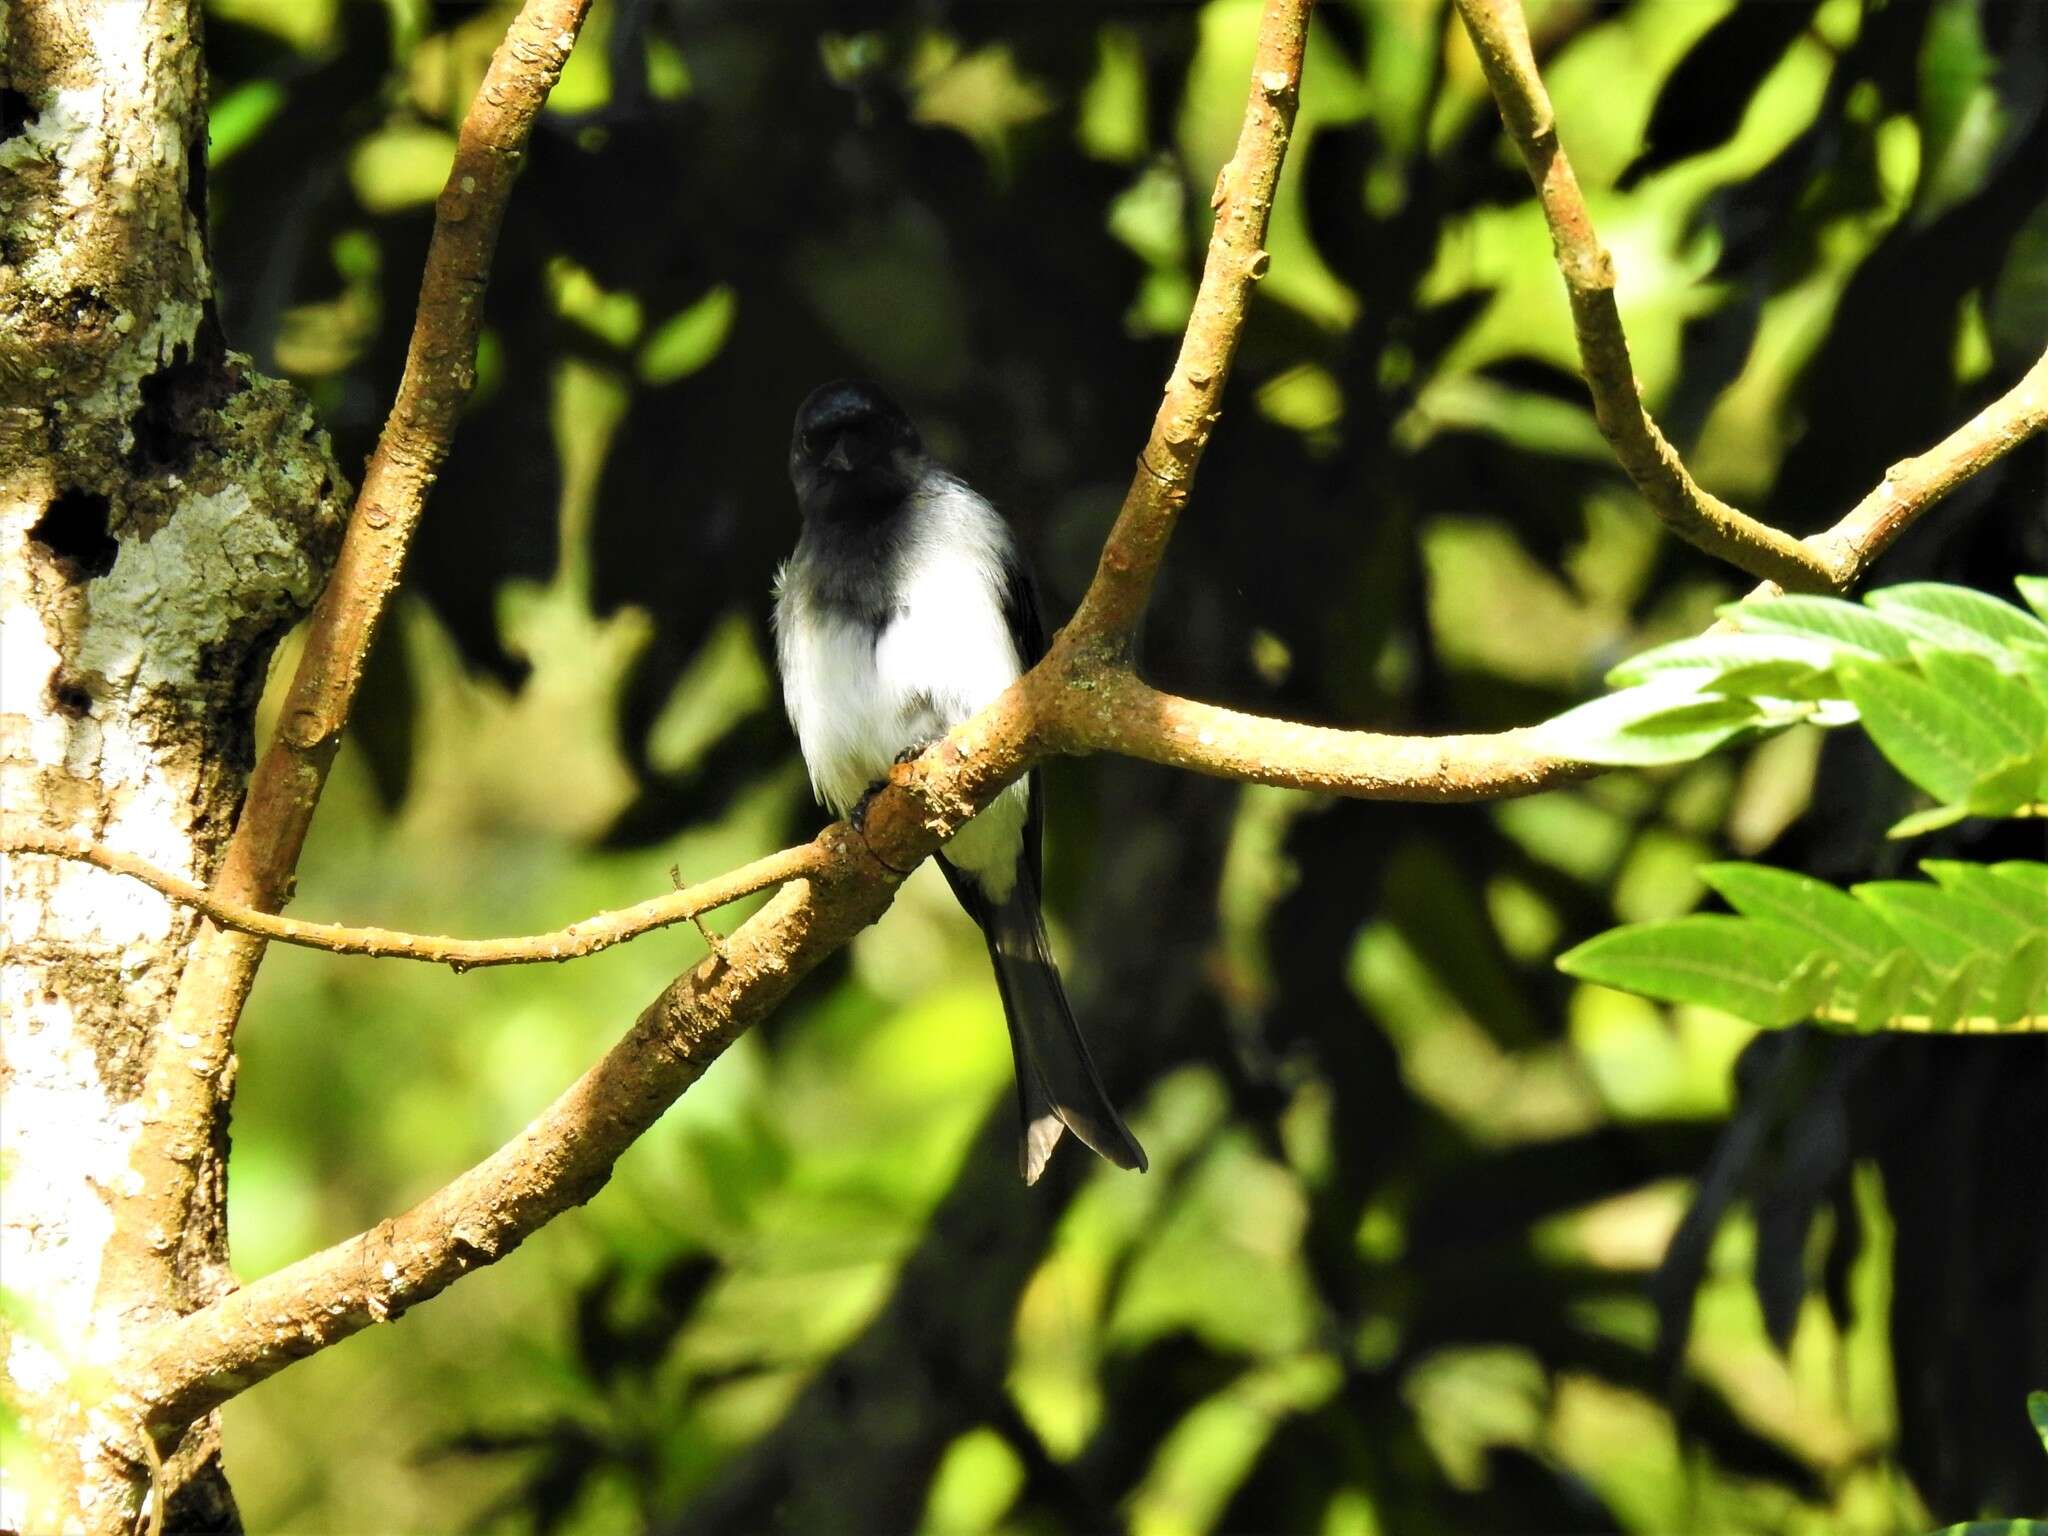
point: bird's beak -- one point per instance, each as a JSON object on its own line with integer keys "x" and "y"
{"x": 838, "y": 458}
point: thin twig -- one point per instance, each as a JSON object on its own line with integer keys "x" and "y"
{"x": 181, "y": 1092}
{"x": 1913, "y": 485}
{"x": 566, "y": 1155}
{"x": 584, "y": 937}
{"x": 1500, "y": 34}
{"x": 1081, "y": 697}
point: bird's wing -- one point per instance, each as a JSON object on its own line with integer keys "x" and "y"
{"x": 1027, "y": 633}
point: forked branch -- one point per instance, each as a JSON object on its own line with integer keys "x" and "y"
{"x": 1082, "y": 697}
{"x": 179, "y": 1094}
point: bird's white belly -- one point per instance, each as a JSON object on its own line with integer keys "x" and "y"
{"x": 859, "y": 702}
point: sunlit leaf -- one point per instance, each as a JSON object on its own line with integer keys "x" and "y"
{"x": 2035, "y": 590}
{"x": 1952, "y": 615}
{"x": 2017, "y": 990}
{"x": 1705, "y": 657}
{"x": 1945, "y": 926}
{"x": 1848, "y": 929}
{"x": 1998, "y": 885}
{"x": 1739, "y": 965}
{"x": 1955, "y": 995}
{"x": 1888, "y": 990}
{"x": 1826, "y": 618}
{"x": 1933, "y": 819}
{"x": 1653, "y": 724}
{"x": 1931, "y": 739}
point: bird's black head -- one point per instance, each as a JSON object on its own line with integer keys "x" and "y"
{"x": 853, "y": 452}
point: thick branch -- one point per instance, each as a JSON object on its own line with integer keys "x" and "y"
{"x": 1117, "y": 712}
{"x": 562, "y": 1159}
{"x": 1500, "y": 33}
{"x": 1082, "y": 697}
{"x": 1237, "y": 259}
{"x": 177, "y": 1095}
{"x": 565, "y": 1156}
{"x": 578, "y": 939}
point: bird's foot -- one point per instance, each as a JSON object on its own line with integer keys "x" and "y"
{"x": 913, "y": 753}
{"x": 857, "y": 818}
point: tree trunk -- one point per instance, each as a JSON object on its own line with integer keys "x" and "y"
{"x": 165, "y": 515}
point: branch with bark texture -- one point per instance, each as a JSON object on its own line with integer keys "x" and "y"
{"x": 1831, "y": 560}
{"x": 1083, "y": 697}
{"x": 184, "y": 1093}
{"x": 566, "y": 1155}
{"x": 586, "y": 936}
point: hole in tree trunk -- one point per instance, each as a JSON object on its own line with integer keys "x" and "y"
{"x": 16, "y": 112}
{"x": 74, "y": 532}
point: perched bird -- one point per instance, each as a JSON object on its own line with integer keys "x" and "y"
{"x": 905, "y": 608}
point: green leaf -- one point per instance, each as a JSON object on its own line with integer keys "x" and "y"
{"x": 1995, "y": 1528}
{"x": 2003, "y": 705}
{"x": 2037, "y": 1410}
{"x": 1957, "y": 615}
{"x": 1844, "y": 625}
{"x": 2009, "y": 788}
{"x": 1774, "y": 680}
{"x": 1889, "y": 991}
{"x": 2029, "y": 661}
{"x": 1946, "y": 927}
{"x": 1962, "y": 122}
{"x": 2035, "y": 590}
{"x": 1954, "y": 996}
{"x": 1709, "y": 656}
{"x": 1928, "y": 737}
{"x": 1994, "y": 886}
{"x": 2018, "y": 987}
{"x": 2024, "y": 871}
{"x": 1648, "y": 725}
{"x": 1845, "y": 927}
{"x": 1933, "y": 819}
{"x": 1742, "y": 966}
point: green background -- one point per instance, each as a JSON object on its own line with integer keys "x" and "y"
{"x": 1405, "y": 1260}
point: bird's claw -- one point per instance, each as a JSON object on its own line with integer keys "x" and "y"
{"x": 857, "y": 818}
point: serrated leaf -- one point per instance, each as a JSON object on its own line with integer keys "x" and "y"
{"x": 1946, "y": 927}
{"x": 1843, "y": 625}
{"x": 2016, "y": 990}
{"x": 1647, "y": 725}
{"x": 2002, "y": 704}
{"x": 1704, "y": 657}
{"x": 1844, "y": 926}
{"x": 1736, "y": 964}
{"x": 1933, "y": 819}
{"x": 1928, "y": 737}
{"x": 1958, "y": 616}
{"x": 1890, "y": 990}
{"x": 1955, "y": 994}
{"x": 2035, "y": 590}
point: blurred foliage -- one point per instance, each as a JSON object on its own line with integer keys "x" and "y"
{"x": 1435, "y": 1238}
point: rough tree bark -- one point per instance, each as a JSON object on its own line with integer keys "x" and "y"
{"x": 166, "y": 513}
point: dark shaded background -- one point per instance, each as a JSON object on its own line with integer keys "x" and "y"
{"x": 1436, "y": 1239}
